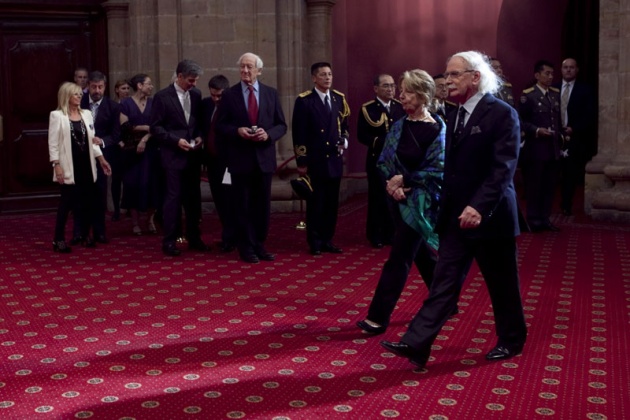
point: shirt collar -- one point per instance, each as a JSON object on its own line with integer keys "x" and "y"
{"x": 383, "y": 103}
{"x": 472, "y": 102}
{"x": 245, "y": 86}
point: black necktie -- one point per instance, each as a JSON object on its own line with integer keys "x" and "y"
{"x": 461, "y": 117}
{"x": 327, "y": 103}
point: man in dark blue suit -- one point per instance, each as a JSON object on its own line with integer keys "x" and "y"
{"x": 320, "y": 135}
{"x": 106, "y": 114}
{"x": 478, "y": 214}
{"x": 215, "y": 161}
{"x": 578, "y": 107}
{"x": 249, "y": 122}
{"x": 175, "y": 125}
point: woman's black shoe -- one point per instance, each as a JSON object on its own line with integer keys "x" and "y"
{"x": 61, "y": 247}
{"x": 370, "y": 329}
{"x": 88, "y": 243}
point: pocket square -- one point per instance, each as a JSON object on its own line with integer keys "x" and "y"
{"x": 475, "y": 130}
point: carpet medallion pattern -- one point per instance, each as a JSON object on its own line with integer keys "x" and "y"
{"x": 123, "y": 332}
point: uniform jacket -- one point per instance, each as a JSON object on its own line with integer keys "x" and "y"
{"x": 168, "y": 125}
{"x": 374, "y": 122}
{"x": 317, "y": 132}
{"x": 479, "y": 170}
{"x": 505, "y": 93}
{"x": 107, "y": 123}
{"x": 60, "y": 143}
{"x": 241, "y": 155}
{"x": 536, "y": 111}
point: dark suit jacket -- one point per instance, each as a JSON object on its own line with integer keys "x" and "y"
{"x": 107, "y": 123}
{"x": 582, "y": 118}
{"x": 316, "y": 133}
{"x": 243, "y": 156}
{"x": 373, "y": 125}
{"x": 537, "y": 111}
{"x": 168, "y": 125}
{"x": 479, "y": 169}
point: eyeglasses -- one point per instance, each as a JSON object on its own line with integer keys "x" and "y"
{"x": 456, "y": 74}
{"x": 388, "y": 85}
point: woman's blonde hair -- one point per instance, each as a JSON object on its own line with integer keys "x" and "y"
{"x": 421, "y": 83}
{"x": 66, "y": 91}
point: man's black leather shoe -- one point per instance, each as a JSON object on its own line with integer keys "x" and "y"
{"x": 405, "y": 350}
{"x": 265, "y": 256}
{"x": 316, "y": 251}
{"x": 552, "y": 227}
{"x": 370, "y": 329}
{"x": 171, "y": 251}
{"x": 377, "y": 244}
{"x": 331, "y": 248}
{"x": 225, "y": 247}
{"x": 198, "y": 245}
{"x": 76, "y": 240}
{"x": 250, "y": 258}
{"x": 503, "y": 352}
{"x": 101, "y": 239}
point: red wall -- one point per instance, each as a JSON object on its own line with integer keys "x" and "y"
{"x": 378, "y": 36}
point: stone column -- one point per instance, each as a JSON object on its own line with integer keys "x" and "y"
{"x": 118, "y": 40}
{"x": 607, "y": 189}
{"x": 319, "y": 30}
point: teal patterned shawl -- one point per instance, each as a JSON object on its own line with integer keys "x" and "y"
{"x": 420, "y": 209}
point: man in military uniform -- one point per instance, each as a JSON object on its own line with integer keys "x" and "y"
{"x": 374, "y": 121}
{"x": 505, "y": 92}
{"x": 441, "y": 105}
{"x": 320, "y": 136}
{"x": 541, "y": 125}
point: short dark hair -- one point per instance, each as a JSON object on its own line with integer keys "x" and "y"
{"x": 319, "y": 65}
{"x": 538, "y": 67}
{"x": 219, "y": 82}
{"x": 377, "y": 78}
{"x": 96, "y": 76}
{"x": 138, "y": 78}
{"x": 188, "y": 68}
{"x": 439, "y": 76}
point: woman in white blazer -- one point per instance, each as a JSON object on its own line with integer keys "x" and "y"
{"x": 73, "y": 157}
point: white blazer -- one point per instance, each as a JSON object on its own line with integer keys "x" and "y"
{"x": 60, "y": 143}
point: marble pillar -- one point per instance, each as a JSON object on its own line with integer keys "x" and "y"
{"x": 118, "y": 40}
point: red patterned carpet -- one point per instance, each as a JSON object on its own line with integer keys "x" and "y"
{"x": 122, "y": 332}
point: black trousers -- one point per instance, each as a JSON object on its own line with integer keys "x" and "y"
{"x": 222, "y": 200}
{"x": 82, "y": 200}
{"x": 497, "y": 260}
{"x": 540, "y": 178}
{"x": 408, "y": 247}
{"x": 379, "y": 227}
{"x": 321, "y": 211}
{"x": 571, "y": 174}
{"x": 183, "y": 189}
{"x": 251, "y": 198}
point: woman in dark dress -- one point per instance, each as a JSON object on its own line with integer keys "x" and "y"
{"x": 412, "y": 163}
{"x": 141, "y": 164}
{"x": 73, "y": 157}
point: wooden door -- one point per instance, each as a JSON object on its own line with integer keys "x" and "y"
{"x": 39, "y": 50}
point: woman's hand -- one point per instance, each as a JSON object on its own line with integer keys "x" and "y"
{"x": 399, "y": 194}
{"x": 394, "y": 184}
{"x": 59, "y": 174}
{"x": 105, "y": 165}
{"x": 143, "y": 144}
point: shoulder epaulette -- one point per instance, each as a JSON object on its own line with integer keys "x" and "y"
{"x": 507, "y": 84}
{"x": 303, "y": 94}
{"x": 554, "y": 89}
{"x": 528, "y": 90}
{"x": 369, "y": 103}
{"x": 338, "y": 93}
{"x": 450, "y": 103}
{"x": 396, "y": 100}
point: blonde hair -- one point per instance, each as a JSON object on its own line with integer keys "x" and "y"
{"x": 421, "y": 83}
{"x": 66, "y": 91}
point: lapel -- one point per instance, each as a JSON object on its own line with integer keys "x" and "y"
{"x": 239, "y": 102}
{"x": 473, "y": 121}
{"x": 177, "y": 106}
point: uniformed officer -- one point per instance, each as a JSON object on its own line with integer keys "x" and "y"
{"x": 505, "y": 92}
{"x": 541, "y": 125}
{"x": 374, "y": 121}
{"x": 320, "y": 136}
{"x": 441, "y": 105}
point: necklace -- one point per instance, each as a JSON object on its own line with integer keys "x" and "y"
{"x": 425, "y": 118}
{"x": 78, "y": 141}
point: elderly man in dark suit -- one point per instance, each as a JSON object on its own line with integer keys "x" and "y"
{"x": 320, "y": 135}
{"x": 478, "y": 215}
{"x": 174, "y": 123}
{"x": 106, "y": 114}
{"x": 249, "y": 122}
{"x": 578, "y": 112}
{"x": 542, "y": 149}
{"x": 374, "y": 122}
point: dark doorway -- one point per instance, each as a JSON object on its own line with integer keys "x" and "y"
{"x": 41, "y": 43}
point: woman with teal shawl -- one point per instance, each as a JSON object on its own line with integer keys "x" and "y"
{"x": 411, "y": 163}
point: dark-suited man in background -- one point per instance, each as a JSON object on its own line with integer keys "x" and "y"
{"x": 174, "y": 124}
{"x": 249, "y": 122}
{"x": 478, "y": 214}
{"x": 578, "y": 112}
{"x": 440, "y": 104}
{"x": 106, "y": 115}
{"x": 374, "y": 121}
{"x": 215, "y": 161}
{"x": 505, "y": 92}
{"x": 540, "y": 158}
{"x": 320, "y": 135}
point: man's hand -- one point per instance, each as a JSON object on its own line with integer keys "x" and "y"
{"x": 469, "y": 219}
{"x": 97, "y": 141}
{"x": 184, "y": 145}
